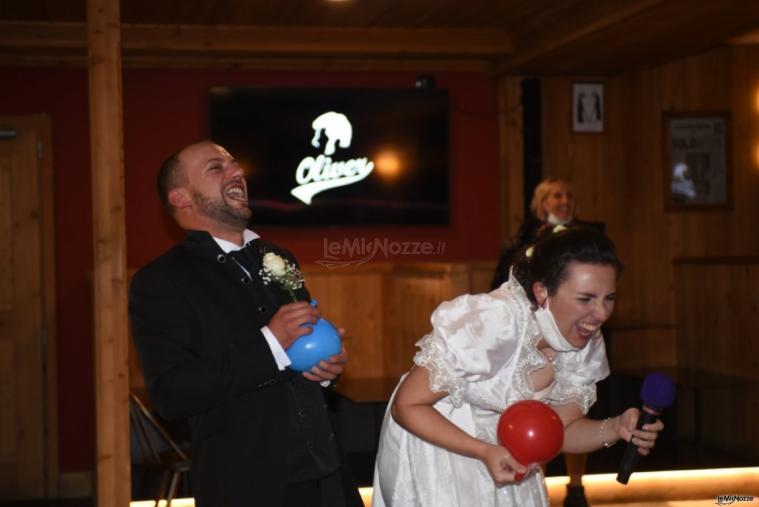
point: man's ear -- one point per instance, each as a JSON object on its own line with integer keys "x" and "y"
{"x": 540, "y": 292}
{"x": 179, "y": 198}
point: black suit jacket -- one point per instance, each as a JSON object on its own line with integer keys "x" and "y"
{"x": 196, "y": 320}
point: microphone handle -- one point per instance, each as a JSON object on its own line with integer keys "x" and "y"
{"x": 630, "y": 459}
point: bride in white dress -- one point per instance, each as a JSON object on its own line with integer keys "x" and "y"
{"x": 535, "y": 337}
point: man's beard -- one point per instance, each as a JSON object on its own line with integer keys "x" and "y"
{"x": 221, "y": 211}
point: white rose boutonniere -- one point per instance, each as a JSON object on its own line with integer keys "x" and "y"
{"x": 279, "y": 270}
{"x": 274, "y": 264}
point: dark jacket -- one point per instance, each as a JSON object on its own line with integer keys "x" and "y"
{"x": 196, "y": 320}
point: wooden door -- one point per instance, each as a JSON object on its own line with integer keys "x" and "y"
{"x": 26, "y": 389}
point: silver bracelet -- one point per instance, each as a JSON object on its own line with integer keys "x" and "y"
{"x": 601, "y": 428}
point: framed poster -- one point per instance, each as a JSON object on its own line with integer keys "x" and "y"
{"x": 697, "y": 160}
{"x": 587, "y": 107}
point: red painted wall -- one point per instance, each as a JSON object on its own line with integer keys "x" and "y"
{"x": 165, "y": 109}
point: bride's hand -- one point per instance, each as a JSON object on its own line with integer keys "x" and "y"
{"x": 501, "y": 465}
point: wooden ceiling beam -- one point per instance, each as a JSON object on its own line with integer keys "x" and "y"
{"x": 166, "y": 41}
{"x": 551, "y": 39}
{"x": 318, "y": 41}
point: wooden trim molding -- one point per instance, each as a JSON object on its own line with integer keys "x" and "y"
{"x": 30, "y": 43}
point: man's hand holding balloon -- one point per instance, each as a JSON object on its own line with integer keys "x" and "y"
{"x": 330, "y": 368}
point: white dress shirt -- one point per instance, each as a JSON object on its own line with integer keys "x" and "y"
{"x": 280, "y": 356}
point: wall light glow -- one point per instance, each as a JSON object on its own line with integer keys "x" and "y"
{"x": 388, "y": 164}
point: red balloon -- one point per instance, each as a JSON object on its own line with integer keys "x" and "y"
{"x": 531, "y": 431}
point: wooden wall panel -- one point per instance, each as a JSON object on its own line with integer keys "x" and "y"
{"x": 744, "y": 315}
{"x": 353, "y": 301}
{"x": 720, "y": 80}
{"x": 743, "y": 239}
{"x": 605, "y": 172}
{"x": 412, "y": 298}
{"x": 480, "y": 276}
{"x": 386, "y": 307}
{"x": 716, "y": 309}
{"x": 637, "y": 348}
{"x": 639, "y": 225}
{"x": 698, "y": 84}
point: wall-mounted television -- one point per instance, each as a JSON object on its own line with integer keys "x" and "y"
{"x": 326, "y": 156}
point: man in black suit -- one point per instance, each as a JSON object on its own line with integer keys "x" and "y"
{"x": 211, "y": 336}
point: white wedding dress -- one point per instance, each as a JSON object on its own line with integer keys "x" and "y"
{"x": 481, "y": 351}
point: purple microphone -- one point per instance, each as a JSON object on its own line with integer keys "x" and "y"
{"x": 657, "y": 393}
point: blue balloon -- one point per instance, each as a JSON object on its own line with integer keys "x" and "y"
{"x": 322, "y": 342}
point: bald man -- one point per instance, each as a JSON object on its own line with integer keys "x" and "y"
{"x": 211, "y": 336}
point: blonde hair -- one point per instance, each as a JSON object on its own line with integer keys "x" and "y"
{"x": 541, "y": 194}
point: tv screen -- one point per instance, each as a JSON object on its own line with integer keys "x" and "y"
{"x": 338, "y": 156}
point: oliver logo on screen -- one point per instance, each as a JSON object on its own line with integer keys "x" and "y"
{"x": 318, "y": 174}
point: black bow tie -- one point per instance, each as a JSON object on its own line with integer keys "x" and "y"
{"x": 248, "y": 258}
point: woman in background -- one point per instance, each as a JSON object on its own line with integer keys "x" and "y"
{"x": 553, "y": 203}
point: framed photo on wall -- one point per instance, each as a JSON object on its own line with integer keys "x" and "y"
{"x": 588, "y": 107}
{"x": 697, "y": 160}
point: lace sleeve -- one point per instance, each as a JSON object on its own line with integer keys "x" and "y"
{"x": 432, "y": 355}
{"x": 472, "y": 338}
{"x": 577, "y": 378}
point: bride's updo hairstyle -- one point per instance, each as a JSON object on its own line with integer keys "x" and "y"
{"x": 547, "y": 259}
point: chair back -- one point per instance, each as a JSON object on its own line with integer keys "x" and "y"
{"x": 151, "y": 442}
